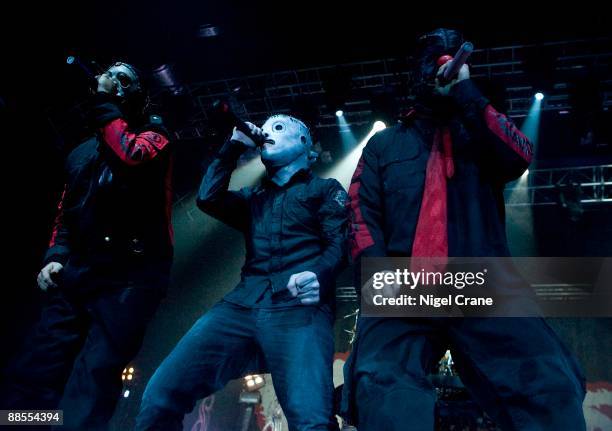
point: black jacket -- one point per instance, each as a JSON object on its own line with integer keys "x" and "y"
{"x": 387, "y": 188}
{"x": 113, "y": 219}
{"x": 298, "y": 227}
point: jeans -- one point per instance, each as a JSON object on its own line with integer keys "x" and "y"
{"x": 294, "y": 344}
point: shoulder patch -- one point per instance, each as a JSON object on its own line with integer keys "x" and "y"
{"x": 340, "y": 197}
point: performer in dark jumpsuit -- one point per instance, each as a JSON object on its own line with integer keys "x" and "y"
{"x": 279, "y": 317}
{"x": 432, "y": 187}
{"x": 108, "y": 262}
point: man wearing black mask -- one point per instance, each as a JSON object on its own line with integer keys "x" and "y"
{"x": 107, "y": 265}
{"x": 432, "y": 186}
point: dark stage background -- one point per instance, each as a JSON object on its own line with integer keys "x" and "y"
{"x": 38, "y": 93}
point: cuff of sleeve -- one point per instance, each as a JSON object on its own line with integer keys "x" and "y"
{"x": 100, "y": 97}
{"x": 279, "y": 282}
{"x": 231, "y": 151}
{"x": 467, "y": 95}
{"x": 53, "y": 256}
{"x": 104, "y": 110}
{"x": 324, "y": 274}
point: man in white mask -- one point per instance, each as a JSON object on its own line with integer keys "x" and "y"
{"x": 279, "y": 318}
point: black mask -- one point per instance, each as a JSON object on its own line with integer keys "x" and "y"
{"x": 430, "y": 47}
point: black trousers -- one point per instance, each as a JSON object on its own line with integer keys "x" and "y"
{"x": 516, "y": 369}
{"x": 75, "y": 358}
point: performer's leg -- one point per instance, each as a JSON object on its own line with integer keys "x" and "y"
{"x": 520, "y": 372}
{"x": 298, "y": 346}
{"x": 218, "y": 348}
{"x": 118, "y": 322}
{"x": 386, "y": 385}
{"x": 35, "y": 379}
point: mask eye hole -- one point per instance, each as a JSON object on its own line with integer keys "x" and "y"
{"x": 124, "y": 80}
{"x": 278, "y": 127}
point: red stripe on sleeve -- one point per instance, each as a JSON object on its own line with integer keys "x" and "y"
{"x": 507, "y": 131}
{"x": 58, "y": 219}
{"x": 131, "y": 148}
{"x": 361, "y": 238}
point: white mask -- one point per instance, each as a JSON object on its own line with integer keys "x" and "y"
{"x": 287, "y": 140}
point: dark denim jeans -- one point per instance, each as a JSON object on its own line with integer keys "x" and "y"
{"x": 516, "y": 368}
{"x": 295, "y": 344}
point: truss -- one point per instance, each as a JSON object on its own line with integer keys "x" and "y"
{"x": 257, "y": 96}
{"x": 590, "y": 184}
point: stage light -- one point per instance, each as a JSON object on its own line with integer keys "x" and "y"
{"x": 378, "y": 126}
{"x": 343, "y": 170}
{"x": 339, "y": 113}
{"x": 165, "y": 77}
{"x": 254, "y": 382}
{"x": 70, "y": 59}
{"x": 126, "y": 393}
{"x": 539, "y": 96}
{"x": 127, "y": 374}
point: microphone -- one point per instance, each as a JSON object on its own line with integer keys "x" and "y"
{"x": 72, "y": 60}
{"x": 221, "y": 109}
{"x": 457, "y": 61}
{"x": 90, "y": 72}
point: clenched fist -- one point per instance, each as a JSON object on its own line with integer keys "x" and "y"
{"x": 305, "y": 286}
{"x": 45, "y": 276}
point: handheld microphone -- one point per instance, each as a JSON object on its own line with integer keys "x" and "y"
{"x": 73, "y": 60}
{"x": 222, "y": 109}
{"x": 457, "y": 61}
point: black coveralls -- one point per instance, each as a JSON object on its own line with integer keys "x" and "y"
{"x": 516, "y": 368}
{"x": 114, "y": 238}
{"x": 259, "y": 326}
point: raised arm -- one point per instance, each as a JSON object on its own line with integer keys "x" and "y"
{"x": 505, "y": 152}
{"x": 215, "y": 198}
{"x": 130, "y": 147}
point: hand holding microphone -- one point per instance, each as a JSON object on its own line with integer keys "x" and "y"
{"x": 106, "y": 84}
{"x": 245, "y": 132}
{"x": 453, "y": 69}
{"x": 251, "y": 137}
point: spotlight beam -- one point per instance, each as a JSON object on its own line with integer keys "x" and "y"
{"x": 522, "y": 217}
{"x": 343, "y": 170}
{"x": 347, "y": 138}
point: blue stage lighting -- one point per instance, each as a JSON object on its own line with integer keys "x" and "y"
{"x": 539, "y": 96}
